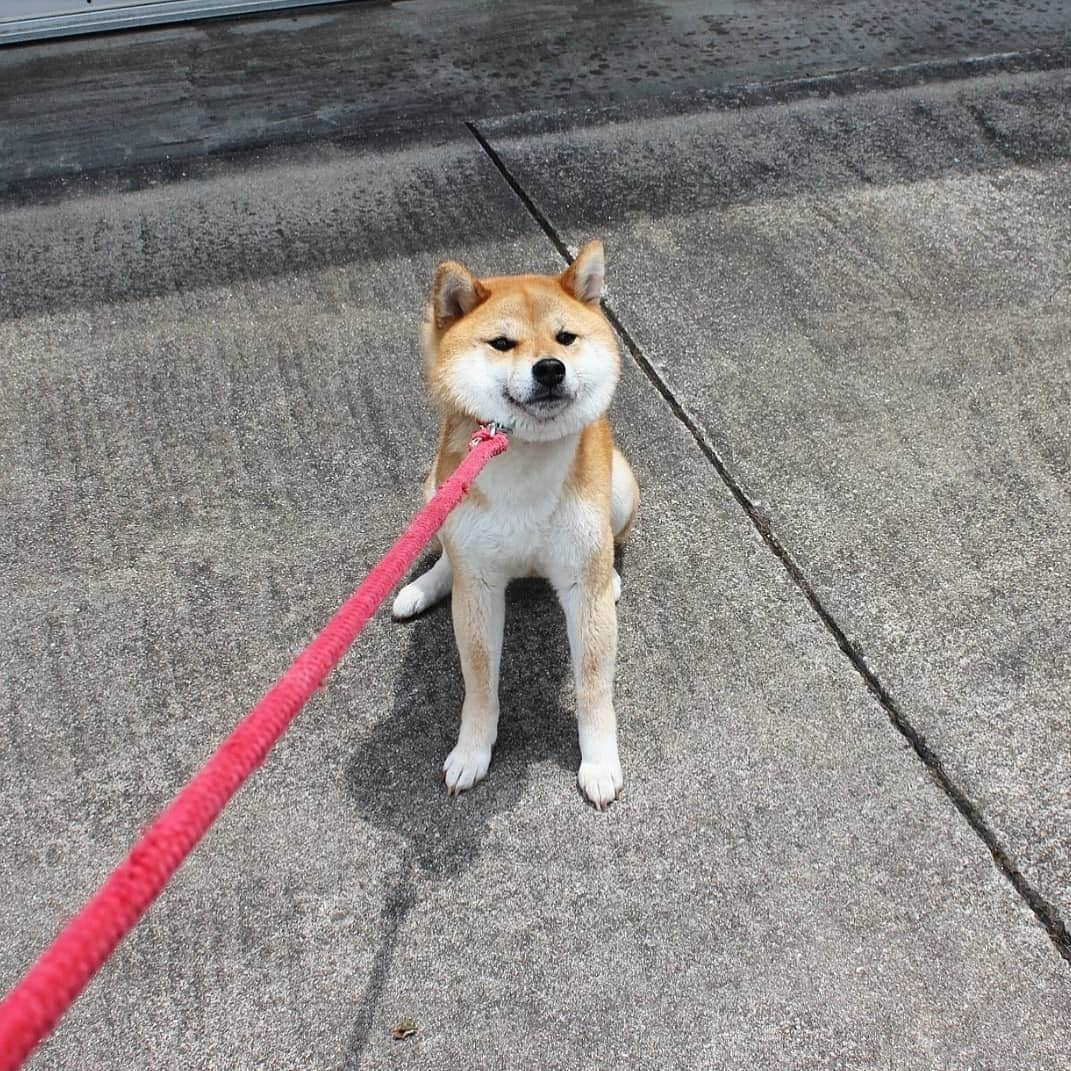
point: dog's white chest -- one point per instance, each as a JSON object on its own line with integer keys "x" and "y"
{"x": 521, "y": 514}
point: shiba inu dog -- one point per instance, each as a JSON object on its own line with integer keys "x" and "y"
{"x": 534, "y": 354}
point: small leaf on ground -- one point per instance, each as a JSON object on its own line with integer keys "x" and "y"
{"x": 405, "y": 1029}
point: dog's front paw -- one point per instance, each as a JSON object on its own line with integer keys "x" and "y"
{"x": 464, "y": 766}
{"x": 600, "y": 782}
{"x": 410, "y": 601}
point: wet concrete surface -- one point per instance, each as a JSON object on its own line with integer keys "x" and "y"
{"x": 375, "y": 71}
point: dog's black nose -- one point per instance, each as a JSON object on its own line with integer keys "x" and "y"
{"x": 548, "y": 371}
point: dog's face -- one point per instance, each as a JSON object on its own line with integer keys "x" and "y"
{"x": 531, "y": 352}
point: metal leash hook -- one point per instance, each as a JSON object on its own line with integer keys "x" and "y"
{"x": 486, "y": 432}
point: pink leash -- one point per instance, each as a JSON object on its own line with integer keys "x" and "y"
{"x": 36, "y": 1004}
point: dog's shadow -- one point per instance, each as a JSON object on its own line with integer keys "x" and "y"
{"x": 394, "y": 776}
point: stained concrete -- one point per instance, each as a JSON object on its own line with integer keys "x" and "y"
{"x": 369, "y": 71}
{"x": 864, "y": 302}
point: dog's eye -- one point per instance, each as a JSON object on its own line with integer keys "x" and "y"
{"x": 566, "y": 338}
{"x": 502, "y": 343}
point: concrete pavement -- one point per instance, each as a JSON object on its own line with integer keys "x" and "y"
{"x": 865, "y": 305}
{"x": 846, "y": 403}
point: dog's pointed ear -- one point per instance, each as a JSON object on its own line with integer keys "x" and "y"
{"x": 584, "y": 277}
{"x": 456, "y": 292}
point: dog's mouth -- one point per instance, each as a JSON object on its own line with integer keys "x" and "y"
{"x": 543, "y": 403}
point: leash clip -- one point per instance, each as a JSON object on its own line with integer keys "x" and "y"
{"x": 486, "y": 432}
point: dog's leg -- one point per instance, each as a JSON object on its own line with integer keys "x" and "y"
{"x": 591, "y": 620}
{"x": 429, "y": 588}
{"x": 624, "y": 498}
{"x": 425, "y": 591}
{"x": 479, "y": 617}
{"x": 624, "y": 502}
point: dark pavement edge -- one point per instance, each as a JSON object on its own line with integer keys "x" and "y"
{"x": 144, "y": 167}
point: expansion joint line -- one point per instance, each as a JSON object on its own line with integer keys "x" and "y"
{"x": 1045, "y": 912}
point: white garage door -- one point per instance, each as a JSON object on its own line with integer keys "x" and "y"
{"x": 28, "y": 20}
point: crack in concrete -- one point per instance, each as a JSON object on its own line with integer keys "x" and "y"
{"x": 399, "y": 902}
{"x": 1044, "y": 911}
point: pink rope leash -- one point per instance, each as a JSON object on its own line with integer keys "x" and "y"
{"x": 36, "y": 1004}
